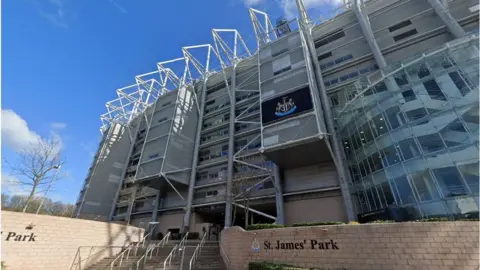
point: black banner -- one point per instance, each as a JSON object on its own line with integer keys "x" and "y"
{"x": 286, "y": 106}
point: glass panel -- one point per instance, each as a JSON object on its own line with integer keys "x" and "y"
{"x": 450, "y": 181}
{"x": 431, "y": 143}
{"x": 462, "y": 207}
{"x": 379, "y": 126}
{"x": 409, "y": 95}
{"x": 433, "y": 209}
{"x": 405, "y": 193}
{"x": 458, "y": 81}
{"x": 391, "y": 155}
{"x": 413, "y": 213}
{"x": 426, "y": 189}
{"x": 434, "y": 90}
{"x": 401, "y": 79}
{"x": 471, "y": 176}
{"x": 366, "y": 132}
{"x": 409, "y": 148}
{"x": 395, "y": 117}
{"x": 416, "y": 114}
{"x": 376, "y": 161}
{"x": 387, "y": 192}
{"x": 454, "y": 134}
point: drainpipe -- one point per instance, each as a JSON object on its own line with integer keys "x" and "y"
{"x": 278, "y": 196}
{"x": 193, "y": 173}
{"x": 334, "y": 140}
{"x": 442, "y": 12}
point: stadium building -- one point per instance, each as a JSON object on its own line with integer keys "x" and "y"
{"x": 370, "y": 114}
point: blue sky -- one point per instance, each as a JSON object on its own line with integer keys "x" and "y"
{"x": 63, "y": 59}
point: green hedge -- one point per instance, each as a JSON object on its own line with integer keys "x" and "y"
{"x": 436, "y": 219}
{"x": 264, "y": 226}
{"x": 306, "y": 224}
{"x": 273, "y": 266}
{"x": 382, "y": 221}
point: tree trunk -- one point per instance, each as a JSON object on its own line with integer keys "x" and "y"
{"x": 32, "y": 192}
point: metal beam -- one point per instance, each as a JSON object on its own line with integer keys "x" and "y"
{"x": 231, "y": 147}
{"x": 278, "y": 195}
{"x": 256, "y": 211}
{"x": 442, "y": 12}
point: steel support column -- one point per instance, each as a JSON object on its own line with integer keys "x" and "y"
{"x": 231, "y": 147}
{"x": 442, "y": 12}
{"x": 193, "y": 173}
{"x": 155, "y": 206}
{"x": 305, "y": 27}
{"x": 278, "y": 195}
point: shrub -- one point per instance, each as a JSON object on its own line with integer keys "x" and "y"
{"x": 272, "y": 266}
{"x": 264, "y": 226}
{"x": 307, "y": 224}
{"x": 468, "y": 219}
{"x": 353, "y": 223}
{"x": 435, "y": 219}
{"x": 382, "y": 221}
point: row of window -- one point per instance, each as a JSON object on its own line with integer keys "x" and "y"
{"x": 351, "y": 75}
{"x": 334, "y": 62}
{"x": 217, "y": 121}
{"x": 214, "y": 136}
{"x": 219, "y": 86}
{"x": 218, "y": 107}
{"x": 329, "y": 38}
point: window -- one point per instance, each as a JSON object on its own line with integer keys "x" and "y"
{"x": 431, "y": 143}
{"x": 210, "y": 102}
{"x": 387, "y": 192}
{"x": 401, "y": 79}
{"x": 225, "y": 148}
{"x": 204, "y": 153}
{"x": 458, "y": 81}
{"x": 329, "y": 38}
{"x": 399, "y": 25}
{"x": 391, "y": 155}
{"x": 334, "y": 100}
{"x": 424, "y": 185}
{"x": 394, "y": 117}
{"x": 211, "y": 193}
{"x": 379, "y": 126}
{"x": 281, "y": 64}
{"x": 416, "y": 114}
{"x": 409, "y": 148}
{"x": 454, "y": 134}
{"x": 166, "y": 104}
{"x": 404, "y": 191}
{"x": 280, "y": 52}
{"x": 450, "y": 181}
{"x": 471, "y": 176}
{"x": 324, "y": 56}
{"x": 405, "y": 35}
{"x": 409, "y": 95}
{"x": 434, "y": 90}
{"x": 381, "y": 87}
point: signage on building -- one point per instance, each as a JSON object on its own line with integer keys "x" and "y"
{"x": 297, "y": 245}
{"x": 288, "y": 105}
{"x": 19, "y": 237}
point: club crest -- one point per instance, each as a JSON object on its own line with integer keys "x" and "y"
{"x": 255, "y": 245}
{"x": 286, "y": 107}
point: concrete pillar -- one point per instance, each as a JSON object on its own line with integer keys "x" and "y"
{"x": 193, "y": 173}
{"x": 442, "y": 12}
{"x": 278, "y": 195}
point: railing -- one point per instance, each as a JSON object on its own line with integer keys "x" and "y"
{"x": 120, "y": 257}
{"x": 181, "y": 247}
{"x": 141, "y": 242}
{"x": 156, "y": 246}
{"x": 197, "y": 252}
{"x": 80, "y": 263}
{"x": 171, "y": 255}
{"x": 223, "y": 251}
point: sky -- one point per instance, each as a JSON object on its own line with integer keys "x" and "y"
{"x": 63, "y": 59}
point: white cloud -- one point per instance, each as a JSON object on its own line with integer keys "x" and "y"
{"x": 15, "y": 131}
{"x": 56, "y": 125}
{"x": 290, "y": 8}
{"x": 18, "y": 136}
{"x": 251, "y": 3}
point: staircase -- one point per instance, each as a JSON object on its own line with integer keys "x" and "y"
{"x": 208, "y": 259}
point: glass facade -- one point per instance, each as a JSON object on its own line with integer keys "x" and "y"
{"x": 415, "y": 143}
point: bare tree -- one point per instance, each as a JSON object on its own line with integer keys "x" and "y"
{"x": 36, "y": 166}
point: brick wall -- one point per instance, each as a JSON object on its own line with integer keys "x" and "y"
{"x": 435, "y": 245}
{"x": 52, "y": 243}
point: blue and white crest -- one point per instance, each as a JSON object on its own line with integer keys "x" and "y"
{"x": 286, "y": 107}
{"x": 255, "y": 245}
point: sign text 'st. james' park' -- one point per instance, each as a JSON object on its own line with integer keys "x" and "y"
{"x": 305, "y": 244}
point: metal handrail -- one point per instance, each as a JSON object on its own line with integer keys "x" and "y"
{"x": 120, "y": 256}
{"x": 161, "y": 243}
{"x": 224, "y": 252}
{"x": 197, "y": 252}
{"x": 78, "y": 261}
{"x": 141, "y": 242}
{"x": 181, "y": 247}
{"x": 169, "y": 257}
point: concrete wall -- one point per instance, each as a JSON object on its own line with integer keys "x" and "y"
{"x": 422, "y": 245}
{"x": 324, "y": 206}
{"x": 52, "y": 243}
